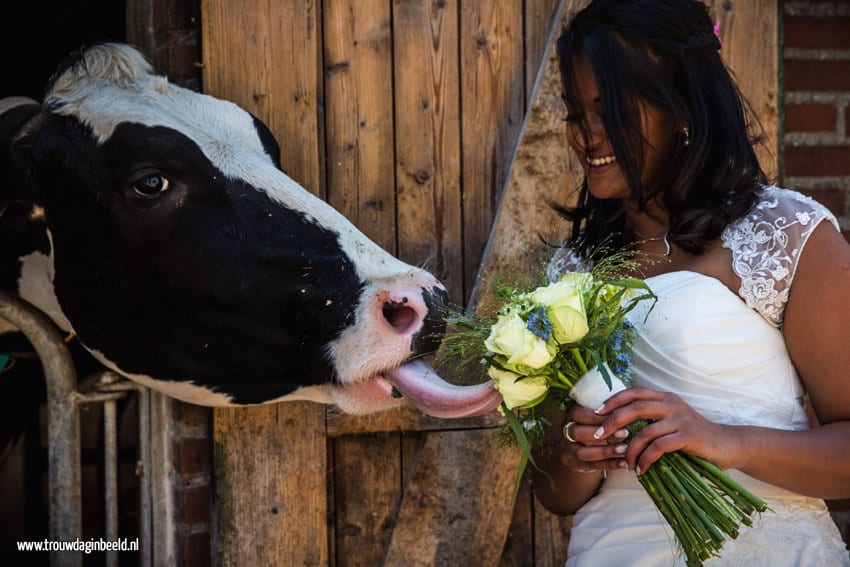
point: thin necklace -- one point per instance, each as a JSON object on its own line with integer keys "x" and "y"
{"x": 656, "y": 239}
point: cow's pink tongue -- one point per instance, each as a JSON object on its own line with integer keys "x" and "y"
{"x": 433, "y": 396}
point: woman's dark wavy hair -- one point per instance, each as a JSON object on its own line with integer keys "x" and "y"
{"x": 665, "y": 53}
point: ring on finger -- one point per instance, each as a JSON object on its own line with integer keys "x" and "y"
{"x": 567, "y": 435}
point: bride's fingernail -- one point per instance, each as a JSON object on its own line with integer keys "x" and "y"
{"x": 623, "y": 465}
{"x": 598, "y": 433}
{"x": 637, "y": 470}
{"x": 621, "y": 433}
{"x": 621, "y": 448}
{"x": 599, "y": 409}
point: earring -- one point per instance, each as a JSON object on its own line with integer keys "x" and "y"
{"x": 687, "y": 134}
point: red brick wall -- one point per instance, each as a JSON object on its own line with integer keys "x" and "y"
{"x": 816, "y": 69}
{"x": 816, "y": 59}
{"x": 192, "y": 484}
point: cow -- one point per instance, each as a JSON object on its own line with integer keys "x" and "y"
{"x": 156, "y": 225}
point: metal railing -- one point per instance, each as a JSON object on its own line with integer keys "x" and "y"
{"x": 63, "y": 436}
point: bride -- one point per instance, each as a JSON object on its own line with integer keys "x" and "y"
{"x": 744, "y": 360}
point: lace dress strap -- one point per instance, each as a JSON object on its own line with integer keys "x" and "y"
{"x": 766, "y": 245}
{"x": 564, "y": 260}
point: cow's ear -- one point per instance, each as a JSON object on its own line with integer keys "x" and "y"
{"x": 18, "y": 118}
{"x": 268, "y": 140}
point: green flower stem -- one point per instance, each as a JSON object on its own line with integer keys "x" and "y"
{"x": 688, "y": 540}
{"x": 579, "y": 360}
{"x": 725, "y": 514}
{"x": 701, "y": 502}
{"x": 663, "y": 499}
{"x": 739, "y": 497}
{"x": 723, "y": 480}
{"x": 564, "y": 380}
{"x": 707, "y": 531}
{"x": 714, "y": 507}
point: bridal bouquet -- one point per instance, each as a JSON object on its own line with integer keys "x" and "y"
{"x": 571, "y": 342}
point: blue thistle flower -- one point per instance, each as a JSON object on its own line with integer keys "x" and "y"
{"x": 538, "y": 323}
{"x": 622, "y": 362}
{"x": 616, "y": 340}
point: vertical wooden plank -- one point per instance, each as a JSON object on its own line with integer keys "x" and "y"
{"x": 463, "y": 517}
{"x": 451, "y": 504}
{"x": 755, "y": 64}
{"x": 427, "y": 110}
{"x": 270, "y": 461}
{"x": 492, "y": 97}
{"x": 540, "y": 15}
{"x": 541, "y": 21}
{"x": 427, "y": 107}
{"x": 359, "y": 120}
{"x": 367, "y": 492}
{"x": 551, "y": 537}
{"x": 270, "y": 478}
{"x": 541, "y": 170}
{"x": 519, "y": 543}
{"x": 358, "y": 100}
{"x": 265, "y": 56}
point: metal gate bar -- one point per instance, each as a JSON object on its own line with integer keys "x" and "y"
{"x": 63, "y": 438}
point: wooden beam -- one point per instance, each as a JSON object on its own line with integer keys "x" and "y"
{"x": 750, "y": 35}
{"x": 452, "y": 504}
{"x": 526, "y": 227}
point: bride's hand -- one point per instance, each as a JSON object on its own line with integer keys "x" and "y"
{"x": 581, "y": 452}
{"x": 674, "y": 426}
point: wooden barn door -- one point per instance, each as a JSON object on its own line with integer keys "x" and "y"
{"x": 435, "y": 127}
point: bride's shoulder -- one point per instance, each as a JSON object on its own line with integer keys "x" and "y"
{"x": 767, "y": 244}
{"x": 778, "y": 214}
{"x": 781, "y": 205}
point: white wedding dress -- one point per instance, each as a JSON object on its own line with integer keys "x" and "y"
{"x": 724, "y": 354}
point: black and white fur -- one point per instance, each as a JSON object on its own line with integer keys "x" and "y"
{"x": 156, "y": 224}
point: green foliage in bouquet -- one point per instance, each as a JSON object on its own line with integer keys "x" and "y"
{"x": 545, "y": 336}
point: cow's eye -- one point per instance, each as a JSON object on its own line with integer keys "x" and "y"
{"x": 150, "y": 185}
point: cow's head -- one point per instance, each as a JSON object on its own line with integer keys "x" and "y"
{"x": 161, "y": 230}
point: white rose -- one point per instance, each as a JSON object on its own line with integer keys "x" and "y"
{"x": 519, "y": 391}
{"x": 509, "y": 336}
{"x": 564, "y": 306}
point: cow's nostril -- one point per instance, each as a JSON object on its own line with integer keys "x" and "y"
{"x": 401, "y": 317}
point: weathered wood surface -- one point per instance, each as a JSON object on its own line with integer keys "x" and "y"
{"x": 407, "y": 119}
{"x": 270, "y": 486}
{"x": 542, "y": 171}
{"x": 491, "y": 52}
{"x": 266, "y": 56}
{"x": 750, "y": 35}
{"x": 358, "y": 69}
{"x": 428, "y": 139}
{"x": 404, "y": 420}
{"x": 358, "y": 92}
{"x": 449, "y": 506}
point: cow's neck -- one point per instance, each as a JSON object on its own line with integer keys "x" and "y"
{"x": 37, "y": 288}
{"x": 26, "y": 261}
